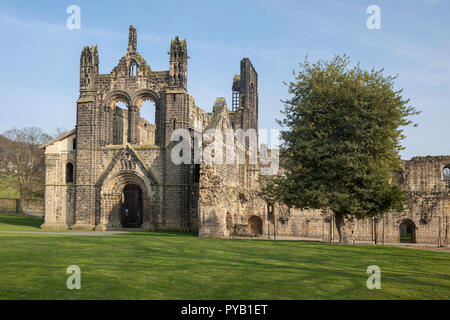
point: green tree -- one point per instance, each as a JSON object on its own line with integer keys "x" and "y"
{"x": 23, "y": 162}
{"x": 340, "y": 142}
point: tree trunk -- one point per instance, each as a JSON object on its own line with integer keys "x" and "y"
{"x": 340, "y": 226}
{"x": 21, "y": 202}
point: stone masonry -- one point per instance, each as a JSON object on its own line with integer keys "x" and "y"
{"x": 114, "y": 170}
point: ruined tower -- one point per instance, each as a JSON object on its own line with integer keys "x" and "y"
{"x": 178, "y": 63}
{"x": 132, "y": 39}
{"x": 88, "y": 67}
{"x": 87, "y": 140}
{"x": 245, "y": 97}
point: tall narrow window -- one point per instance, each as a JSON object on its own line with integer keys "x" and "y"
{"x": 197, "y": 173}
{"x": 69, "y": 173}
{"x": 446, "y": 173}
{"x": 133, "y": 69}
{"x": 235, "y": 101}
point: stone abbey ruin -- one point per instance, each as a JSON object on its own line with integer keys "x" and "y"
{"x": 114, "y": 170}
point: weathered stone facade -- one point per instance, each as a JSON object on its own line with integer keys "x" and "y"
{"x": 114, "y": 170}
{"x": 112, "y": 148}
{"x": 228, "y": 210}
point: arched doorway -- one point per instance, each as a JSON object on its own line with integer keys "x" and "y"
{"x": 255, "y": 225}
{"x": 407, "y": 231}
{"x": 132, "y": 207}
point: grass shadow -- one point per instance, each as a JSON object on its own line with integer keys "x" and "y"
{"x": 10, "y": 221}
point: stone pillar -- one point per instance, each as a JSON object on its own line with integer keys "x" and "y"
{"x": 109, "y": 124}
{"x": 148, "y": 208}
{"x": 133, "y": 124}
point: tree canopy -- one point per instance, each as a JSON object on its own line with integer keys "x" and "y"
{"x": 340, "y": 141}
{"x": 23, "y": 161}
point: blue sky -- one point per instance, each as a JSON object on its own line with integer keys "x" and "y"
{"x": 40, "y": 57}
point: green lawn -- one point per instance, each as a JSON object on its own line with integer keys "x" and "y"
{"x": 21, "y": 222}
{"x": 17, "y": 222}
{"x": 183, "y": 266}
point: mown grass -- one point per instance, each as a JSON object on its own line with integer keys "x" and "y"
{"x": 18, "y": 222}
{"x": 21, "y": 222}
{"x": 182, "y": 266}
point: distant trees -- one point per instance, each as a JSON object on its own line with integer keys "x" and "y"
{"x": 23, "y": 161}
{"x": 341, "y": 141}
{"x": 59, "y": 131}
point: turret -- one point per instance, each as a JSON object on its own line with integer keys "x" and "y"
{"x": 178, "y": 63}
{"x": 249, "y": 96}
{"x": 88, "y": 67}
{"x": 245, "y": 97}
{"x": 132, "y": 39}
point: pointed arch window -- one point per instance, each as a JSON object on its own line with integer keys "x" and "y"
{"x": 133, "y": 69}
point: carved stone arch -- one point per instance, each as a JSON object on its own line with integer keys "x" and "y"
{"x": 143, "y": 95}
{"x": 148, "y": 94}
{"x": 115, "y": 130}
{"x": 133, "y": 62}
{"x": 116, "y": 96}
{"x": 111, "y": 198}
{"x": 118, "y": 181}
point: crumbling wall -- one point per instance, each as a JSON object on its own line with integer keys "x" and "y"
{"x": 225, "y": 207}
{"x": 428, "y": 209}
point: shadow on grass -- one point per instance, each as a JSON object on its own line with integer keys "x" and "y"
{"x": 160, "y": 234}
{"x": 19, "y": 220}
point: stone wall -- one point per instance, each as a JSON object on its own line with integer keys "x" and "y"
{"x": 227, "y": 208}
{"x": 428, "y": 209}
{"x": 59, "y": 183}
{"x": 30, "y": 206}
{"x": 113, "y": 147}
{"x": 8, "y": 205}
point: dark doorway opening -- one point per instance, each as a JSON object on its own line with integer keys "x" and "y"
{"x": 407, "y": 231}
{"x": 69, "y": 173}
{"x": 132, "y": 207}
{"x": 255, "y": 225}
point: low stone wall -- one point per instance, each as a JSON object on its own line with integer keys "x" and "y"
{"x": 8, "y": 205}
{"x": 34, "y": 206}
{"x": 30, "y": 206}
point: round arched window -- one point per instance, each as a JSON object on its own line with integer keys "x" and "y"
{"x": 446, "y": 173}
{"x": 133, "y": 69}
